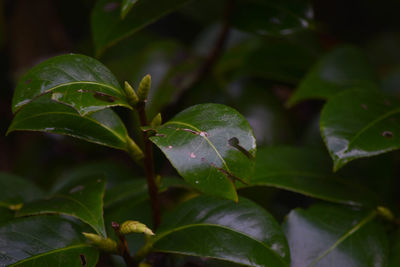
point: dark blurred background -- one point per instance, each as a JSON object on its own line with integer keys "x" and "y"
{"x": 32, "y": 31}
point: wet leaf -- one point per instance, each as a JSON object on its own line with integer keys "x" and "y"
{"x": 108, "y": 28}
{"x": 236, "y": 232}
{"x": 328, "y": 235}
{"x": 196, "y": 142}
{"x": 343, "y": 68}
{"x": 357, "y": 124}
{"x": 75, "y": 80}
{"x": 126, "y": 7}
{"x": 83, "y": 201}
{"x": 103, "y": 127}
{"x": 15, "y": 190}
{"x": 272, "y": 18}
{"x": 308, "y": 172}
{"x": 44, "y": 241}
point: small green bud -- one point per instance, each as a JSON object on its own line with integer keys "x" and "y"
{"x": 129, "y": 227}
{"x": 156, "y": 121}
{"x": 134, "y": 150}
{"x": 133, "y": 98}
{"x": 385, "y": 213}
{"x": 104, "y": 244}
{"x": 144, "y": 88}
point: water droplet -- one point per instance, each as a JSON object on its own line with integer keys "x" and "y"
{"x": 192, "y": 155}
{"x": 196, "y": 182}
{"x": 170, "y": 147}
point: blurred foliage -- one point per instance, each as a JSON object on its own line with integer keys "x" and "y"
{"x": 252, "y": 59}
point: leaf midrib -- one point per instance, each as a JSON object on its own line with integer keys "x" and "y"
{"x": 204, "y": 136}
{"x": 369, "y": 125}
{"x": 49, "y": 253}
{"x": 183, "y": 227}
{"x": 351, "y": 231}
{"x": 76, "y": 115}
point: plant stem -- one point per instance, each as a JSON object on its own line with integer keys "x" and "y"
{"x": 149, "y": 168}
{"x": 123, "y": 246}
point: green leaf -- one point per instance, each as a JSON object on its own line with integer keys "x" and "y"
{"x": 128, "y": 201}
{"x": 113, "y": 172}
{"x": 76, "y": 80}
{"x": 44, "y": 241}
{"x": 357, "y": 124}
{"x": 308, "y": 172}
{"x": 83, "y": 201}
{"x": 15, "y": 190}
{"x": 272, "y": 17}
{"x": 126, "y": 7}
{"x": 277, "y": 60}
{"x": 328, "y": 235}
{"x": 103, "y": 127}
{"x": 343, "y": 68}
{"x": 108, "y": 28}
{"x": 211, "y": 146}
{"x": 237, "y": 232}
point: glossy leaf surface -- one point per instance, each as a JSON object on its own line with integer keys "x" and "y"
{"x": 308, "y": 172}
{"x": 15, "y": 190}
{"x": 83, "y": 201}
{"x": 211, "y": 146}
{"x": 327, "y": 235}
{"x": 126, "y": 7}
{"x": 272, "y": 17}
{"x": 76, "y": 80}
{"x": 358, "y": 124}
{"x": 343, "y": 68}
{"x": 236, "y": 232}
{"x": 103, "y": 127}
{"x": 108, "y": 27}
{"x": 44, "y": 241}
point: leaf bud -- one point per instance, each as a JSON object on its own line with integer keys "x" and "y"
{"x": 134, "y": 150}
{"x": 104, "y": 244}
{"x": 129, "y": 227}
{"x": 133, "y": 98}
{"x": 144, "y": 88}
{"x": 385, "y": 213}
{"x": 156, "y": 121}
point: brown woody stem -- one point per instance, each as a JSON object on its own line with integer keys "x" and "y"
{"x": 149, "y": 168}
{"x": 123, "y": 246}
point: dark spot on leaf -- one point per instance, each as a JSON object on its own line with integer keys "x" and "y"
{"x": 28, "y": 81}
{"x": 387, "y": 102}
{"x": 111, "y": 6}
{"x": 234, "y": 142}
{"x": 364, "y": 106}
{"x": 83, "y": 259}
{"x": 104, "y": 97}
{"x": 387, "y": 134}
{"x": 229, "y": 175}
